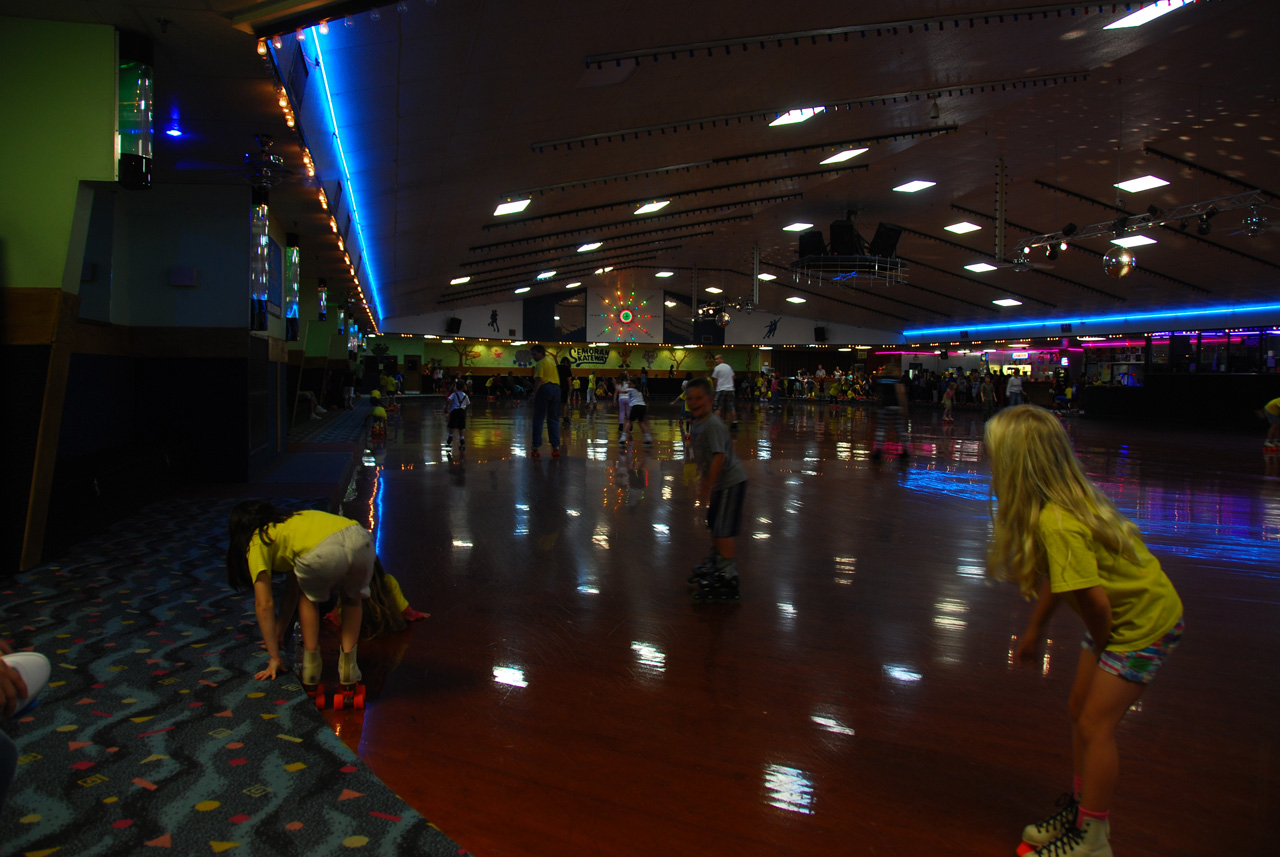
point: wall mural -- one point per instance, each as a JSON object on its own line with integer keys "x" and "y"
{"x": 472, "y": 354}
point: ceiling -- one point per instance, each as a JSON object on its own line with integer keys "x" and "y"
{"x": 449, "y": 107}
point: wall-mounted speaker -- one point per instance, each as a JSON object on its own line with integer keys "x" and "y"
{"x": 885, "y": 242}
{"x": 452, "y": 325}
{"x": 819, "y": 334}
{"x": 812, "y": 244}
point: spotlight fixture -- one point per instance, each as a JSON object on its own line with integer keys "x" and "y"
{"x": 1063, "y": 246}
{"x": 1051, "y": 253}
{"x": 1119, "y": 262}
{"x": 1069, "y": 230}
{"x": 1119, "y": 224}
{"x": 934, "y": 112}
{"x": 1254, "y": 223}
{"x": 1204, "y": 227}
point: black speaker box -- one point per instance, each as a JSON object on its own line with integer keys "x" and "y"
{"x": 885, "y": 242}
{"x": 845, "y": 240}
{"x": 812, "y": 244}
{"x": 453, "y": 325}
{"x": 819, "y": 334}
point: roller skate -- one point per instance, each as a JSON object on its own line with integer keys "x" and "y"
{"x": 719, "y": 587}
{"x": 1043, "y": 832}
{"x": 35, "y": 671}
{"x": 704, "y": 570}
{"x": 351, "y": 691}
{"x": 309, "y": 675}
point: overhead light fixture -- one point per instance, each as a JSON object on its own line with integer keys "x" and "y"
{"x": 1180, "y": 313}
{"x": 458, "y": 281}
{"x": 962, "y": 227}
{"x": 594, "y": 245}
{"x": 980, "y": 267}
{"x": 514, "y": 206}
{"x": 1134, "y": 241}
{"x": 1147, "y": 14}
{"x": 324, "y": 28}
{"x": 175, "y": 131}
{"x": 712, "y": 290}
{"x": 1141, "y": 183}
{"x": 800, "y": 114}
{"x": 669, "y": 303}
{"x": 1007, "y": 302}
{"x": 768, "y": 277}
{"x": 844, "y": 349}
{"x": 914, "y": 186}
{"x": 841, "y": 157}
{"x": 446, "y": 342}
{"x": 546, "y": 275}
{"x": 1069, "y": 230}
{"x": 795, "y": 300}
{"x": 651, "y": 207}
{"x": 797, "y": 227}
{"x": 572, "y": 285}
{"x": 522, "y": 290}
{"x": 665, "y": 274}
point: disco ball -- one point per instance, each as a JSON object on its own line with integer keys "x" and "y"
{"x": 1254, "y": 224}
{"x": 1119, "y": 262}
{"x": 723, "y": 318}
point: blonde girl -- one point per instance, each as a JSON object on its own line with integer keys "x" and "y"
{"x": 315, "y": 551}
{"x": 1061, "y": 540}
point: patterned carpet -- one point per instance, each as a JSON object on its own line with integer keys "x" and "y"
{"x": 153, "y": 733}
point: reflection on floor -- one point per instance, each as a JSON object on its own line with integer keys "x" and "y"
{"x": 566, "y": 696}
{"x": 153, "y": 732}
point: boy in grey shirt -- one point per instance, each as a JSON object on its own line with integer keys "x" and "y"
{"x": 722, "y": 488}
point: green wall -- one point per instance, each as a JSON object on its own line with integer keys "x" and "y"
{"x": 60, "y": 107}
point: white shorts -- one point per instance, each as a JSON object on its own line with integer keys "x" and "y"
{"x": 344, "y": 559}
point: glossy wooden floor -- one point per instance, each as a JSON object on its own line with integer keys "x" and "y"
{"x": 566, "y": 697}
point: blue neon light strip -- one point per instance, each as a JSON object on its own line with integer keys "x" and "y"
{"x": 1093, "y": 319}
{"x": 346, "y": 174}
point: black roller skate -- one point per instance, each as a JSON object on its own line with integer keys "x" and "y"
{"x": 704, "y": 570}
{"x": 719, "y": 588}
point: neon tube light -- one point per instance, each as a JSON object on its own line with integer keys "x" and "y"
{"x": 346, "y": 175}
{"x": 1093, "y": 319}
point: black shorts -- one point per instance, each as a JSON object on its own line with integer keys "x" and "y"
{"x": 724, "y": 515}
{"x": 458, "y": 418}
{"x": 636, "y": 414}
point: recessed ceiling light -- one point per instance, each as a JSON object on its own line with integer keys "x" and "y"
{"x": 572, "y": 285}
{"x": 669, "y": 303}
{"x": 1146, "y": 15}
{"x": 446, "y": 341}
{"x": 513, "y": 207}
{"x": 795, "y": 300}
{"x": 651, "y": 207}
{"x": 555, "y": 318}
{"x": 594, "y": 245}
{"x": 713, "y": 290}
{"x": 767, "y": 277}
{"x": 800, "y": 114}
{"x": 962, "y": 227}
{"x": 457, "y": 281}
{"x": 840, "y": 157}
{"x": 979, "y": 267}
{"x": 797, "y": 227}
{"x": 1134, "y": 241}
{"x": 913, "y": 186}
{"x": 845, "y": 349}
{"x": 665, "y": 274}
{"x": 1142, "y": 182}
{"x": 522, "y": 290}
{"x": 546, "y": 275}
{"x": 1007, "y": 302}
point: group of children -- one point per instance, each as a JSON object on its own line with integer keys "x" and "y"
{"x": 1056, "y": 535}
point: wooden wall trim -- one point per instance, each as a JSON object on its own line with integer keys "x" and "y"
{"x": 31, "y": 316}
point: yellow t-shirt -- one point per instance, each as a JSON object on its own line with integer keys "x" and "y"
{"x": 1273, "y": 407}
{"x": 375, "y": 394}
{"x": 290, "y": 540}
{"x": 547, "y": 371}
{"x": 1144, "y": 604}
{"x": 378, "y": 412}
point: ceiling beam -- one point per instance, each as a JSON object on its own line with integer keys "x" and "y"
{"x": 1192, "y": 165}
{"x": 551, "y": 236}
{"x": 916, "y": 264}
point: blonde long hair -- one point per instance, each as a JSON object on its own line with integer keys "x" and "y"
{"x": 1032, "y": 464}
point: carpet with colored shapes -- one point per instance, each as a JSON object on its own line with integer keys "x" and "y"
{"x": 153, "y": 734}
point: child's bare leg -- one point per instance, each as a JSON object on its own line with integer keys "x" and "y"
{"x": 724, "y": 547}
{"x": 1108, "y": 701}
{"x": 352, "y": 613}
{"x": 1086, "y": 667}
{"x": 309, "y": 619}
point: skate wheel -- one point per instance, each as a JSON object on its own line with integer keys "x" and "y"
{"x": 1024, "y": 849}
{"x": 337, "y": 701}
{"x": 359, "y": 699}
{"x": 319, "y": 700}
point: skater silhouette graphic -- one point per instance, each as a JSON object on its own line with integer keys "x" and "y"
{"x": 771, "y": 328}
{"x": 493, "y": 321}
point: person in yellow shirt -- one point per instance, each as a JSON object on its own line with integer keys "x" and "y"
{"x": 546, "y": 401}
{"x": 1272, "y": 411}
{"x": 1058, "y": 536}
{"x": 315, "y": 551}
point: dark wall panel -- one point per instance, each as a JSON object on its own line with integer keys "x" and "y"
{"x": 26, "y": 370}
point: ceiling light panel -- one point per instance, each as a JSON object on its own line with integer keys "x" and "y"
{"x": 1134, "y": 241}
{"x": 795, "y": 300}
{"x": 962, "y": 227}
{"x": 513, "y": 207}
{"x": 1141, "y": 183}
{"x": 594, "y": 245}
{"x": 768, "y": 277}
{"x": 914, "y": 186}
{"x": 546, "y": 275}
{"x": 979, "y": 267}
{"x": 1147, "y": 14}
{"x": 458, "y": 281}
{"x": 800, "y": 114}
{"x": 651, "y": 207}
{"x": 712, "y": 290}
{"x": 665, "y": 274}
{"x": 797, "y": 227}
{"x": 1007, "y": 302}
{"x": 841, "y": 157}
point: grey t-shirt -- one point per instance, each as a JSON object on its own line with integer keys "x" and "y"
{"x": 711, "y": 437}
